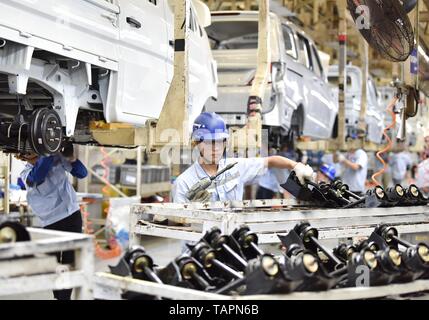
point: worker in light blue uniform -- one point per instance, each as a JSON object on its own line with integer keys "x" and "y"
{"x": 268, "y": 186}
{"x": 400, "y": 164}
{"x": 355, "y": 171}
{"x": 52, "y": 197}
{"x": 269, "y": 183}
{"x": 210, "y": 137}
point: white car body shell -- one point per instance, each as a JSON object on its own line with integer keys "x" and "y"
{"x": 130, "y": 42}
{"x": 374, "y": 117}
{"x": 292, "y": 85}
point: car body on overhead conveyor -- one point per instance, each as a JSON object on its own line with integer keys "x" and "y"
{"x": 374, "y": 118}
{"x": 66, "y": 63}
{"x": 297, "y": 99}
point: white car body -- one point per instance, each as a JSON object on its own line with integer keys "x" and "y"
{"x": 110, "y": 58}
{"x": 296, "y": 95}
{"x": 353, "y": 101}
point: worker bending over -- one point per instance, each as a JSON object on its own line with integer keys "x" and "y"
{"x": 213, "y": 177}
{"x": 52, "y": 197}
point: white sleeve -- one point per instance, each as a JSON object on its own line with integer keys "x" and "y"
{"x": 179, "y": 191}
{"x": 421, "y": 180}
{"x": 409, "y": 160}
{"x": 251, "y": 169}
{"x": 362, "y": 159}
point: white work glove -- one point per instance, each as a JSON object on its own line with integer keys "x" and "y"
{"x": 304, "y": 172}
{"x": 341, "y": 158}
{"x": 202, "y": 196}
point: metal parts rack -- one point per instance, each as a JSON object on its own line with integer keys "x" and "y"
{"x": 27, "y": 267}
{"x": 268, "y": 218}
{"x": 110, "y": 287}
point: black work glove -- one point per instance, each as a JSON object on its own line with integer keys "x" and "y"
{"x": 68, "y": 150}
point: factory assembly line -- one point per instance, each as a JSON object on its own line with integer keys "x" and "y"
{"x": 214, "y": 150}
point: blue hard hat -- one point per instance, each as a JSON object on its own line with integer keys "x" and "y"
{"x": 328, "y": 171}
{"x": 209, "y": 126}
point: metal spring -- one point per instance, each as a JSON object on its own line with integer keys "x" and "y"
{"x": 19, "y": 135}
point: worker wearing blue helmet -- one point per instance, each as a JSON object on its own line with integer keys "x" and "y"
{"x": 210, "y": 137}
{"x": 328, "y": 171}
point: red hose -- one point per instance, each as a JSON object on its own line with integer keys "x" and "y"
{"x": 389, "y": 142}
{"x": 115, "y": 248}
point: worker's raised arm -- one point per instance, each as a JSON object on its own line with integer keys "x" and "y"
{"x": 280, "y": 163}
{"x": 40, "y": 170}
{"x": 78, "y": 169}
{"x": 351, "y": 165}
{"x": 303, "y": 172}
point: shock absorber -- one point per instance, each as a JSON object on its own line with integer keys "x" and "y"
{"x": 344, "y": 189}
{"x": 415, "y": 257}
{"x": 262, "y": 275}
{"x": 333, "y": 194}
{"x": 141, "y": 265}
{"x": 412, "y": 195}
{"x": 302, "y": 262}
{"x": 309, "y": 236}
{"x": 344, "y": 251}
{"x": 395, "y": 194}
{"x": 227, "y": 247}
{"x": 208, "y": 258}
{"x": 191, "y": 271}
{"x": 387, "y": 264}
{"x": 377, "y": 198}
{"x": 13, "y": 232}
{"x": 248, "y": 242}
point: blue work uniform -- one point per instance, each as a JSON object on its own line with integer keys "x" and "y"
{"x": 49, "y": 191}
{"x": 227, "y": 187}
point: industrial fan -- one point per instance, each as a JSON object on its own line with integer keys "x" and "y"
{"x": 385, "y": 26}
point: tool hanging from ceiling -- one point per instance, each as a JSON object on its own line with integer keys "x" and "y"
{"x": 386, "y": 27}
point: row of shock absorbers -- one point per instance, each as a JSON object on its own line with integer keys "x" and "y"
{"x": 381, "y": 259}
{"x": 224, "y": 264}
{"x": 235, "y": 264}
{"x": 336, "y": 194}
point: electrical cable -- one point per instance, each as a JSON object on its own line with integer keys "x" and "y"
{"x": 389, "y": 141}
